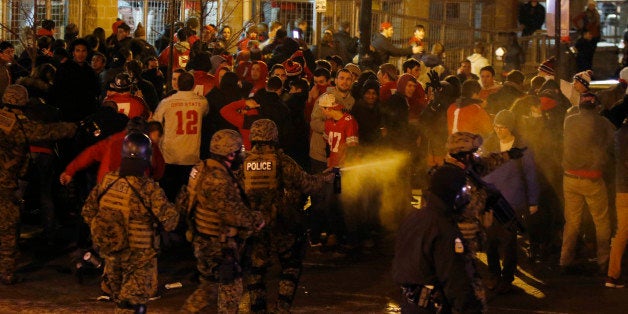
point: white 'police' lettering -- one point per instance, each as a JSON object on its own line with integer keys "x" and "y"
{"x": 259, "y": 165}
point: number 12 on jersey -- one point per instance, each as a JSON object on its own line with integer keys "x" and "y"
{"x": 187, "y": 122}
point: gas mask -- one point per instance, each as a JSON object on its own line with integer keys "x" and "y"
{"x": 238, "y": 159}
{"x": 465, "y": 157}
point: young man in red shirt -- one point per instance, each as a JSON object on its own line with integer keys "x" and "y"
{"x": 341, "y": 130}
{"x": 341, "y": 133}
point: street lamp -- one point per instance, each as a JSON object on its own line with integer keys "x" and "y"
{"x": 499, "y": 53}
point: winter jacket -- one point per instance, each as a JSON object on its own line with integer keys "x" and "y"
{"x": 384, "y": 49}
{"x": 466, "y": 115}
{"x": 516, "y": 178}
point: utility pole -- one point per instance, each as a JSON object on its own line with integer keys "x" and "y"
{"x": 171, "y": 46}
{"x": 366, "y": 56}
{"x": 560, "y": 67}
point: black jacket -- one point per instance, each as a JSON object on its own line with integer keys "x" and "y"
{"x": 503, "y": 99}
{"x": 531, "y": 17}
{"x": 425, "y": 255}
{"x": 384, "y": 49}
{"x": 369, "y": 121}
{"x": 347, "y": 45}
{"x": 75, "y": 91}
{"x": 273, "y": 108}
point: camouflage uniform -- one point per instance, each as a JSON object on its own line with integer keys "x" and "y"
{"x": 470, "y": 222}
{"x": 217, "y": 253}
{"x": 16, "y": 131}
{"x": 284, "y": 236}
{"x": 275, "y": 184}
{"x": 131, "y": 267}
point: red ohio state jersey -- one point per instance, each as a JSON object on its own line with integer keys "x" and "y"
{"x": 340, "y": 134}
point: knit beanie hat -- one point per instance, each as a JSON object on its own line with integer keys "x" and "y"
{"x": 384, "y": 26}
{"x": 293, "y": 68}
{"x": 114, "y": 26}
{"x": 505, "y": 118}
{"x": 354, "y": 69}
{"x": 216, "y": 60}
{"x": 15, "y": 95}
{"x": 369, "y": 84}
{"x": 140, "y": 31}
{"x": 548, "y": 66}
{"x": 584, "y": 77}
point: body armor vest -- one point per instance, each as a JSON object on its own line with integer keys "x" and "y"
{"x": 260, "y": 172}
{"x": 206, "y": 221}
{"x": 262, "y": 185}
{"x": 7, "y": 120}
{"x": 118, "y": 198}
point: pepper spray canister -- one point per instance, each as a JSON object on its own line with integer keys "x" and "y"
{"x": 337, "y": 180}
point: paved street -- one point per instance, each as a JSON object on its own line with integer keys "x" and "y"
{"x": 359, "y": 284}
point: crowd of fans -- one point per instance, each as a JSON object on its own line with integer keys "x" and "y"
{"x": 220, "y": 81}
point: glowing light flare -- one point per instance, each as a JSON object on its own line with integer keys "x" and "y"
{"x": 392, "y": 307}
{"x": 499, "y": 53}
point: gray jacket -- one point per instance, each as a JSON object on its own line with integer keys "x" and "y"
{"x": 588, "y": 141}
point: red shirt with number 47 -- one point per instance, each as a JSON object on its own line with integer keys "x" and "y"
{"x": 130, "y": 105}
{"x": 340, "y": 134}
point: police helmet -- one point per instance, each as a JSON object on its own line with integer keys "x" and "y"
{"x": 447, "y": 183}
{"x": 16, "y": 95}
{"x": 225, "y": 142}
{"x": 137, "y": 145}
{"x": 463, "y": 142}
{"x": 264, "y": 130}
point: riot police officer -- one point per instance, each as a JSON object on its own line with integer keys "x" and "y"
{"x": 432, "y": 263}
{"x": 220, "y": 220}
{"x": 123, "y": 213}
{"x": 275, "y": 184}
{"x": 16, "y": 132}
{"x": 476, "y": 215}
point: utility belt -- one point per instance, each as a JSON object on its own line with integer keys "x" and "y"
{"x": 226, "y": 233}
{"x": 424, "y": 296}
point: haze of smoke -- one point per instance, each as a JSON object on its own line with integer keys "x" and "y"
{"x": 377, "y": 181}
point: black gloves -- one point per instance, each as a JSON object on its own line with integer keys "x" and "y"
{"x": 516, "y": 153}
{"x": 434, "y": 80}
{"x": 89, "y": 127}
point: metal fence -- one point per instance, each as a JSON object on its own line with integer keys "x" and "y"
{"x": 153, "y": 14}
{"x": 457, "y": 24}
{"x": 19, "y": 17}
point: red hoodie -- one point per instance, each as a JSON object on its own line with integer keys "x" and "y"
{"x": 234, "y": 114}
{"x": 260, "y": 83}
{"x": 108, "y": 153}
{"x": 386, "y": 90}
